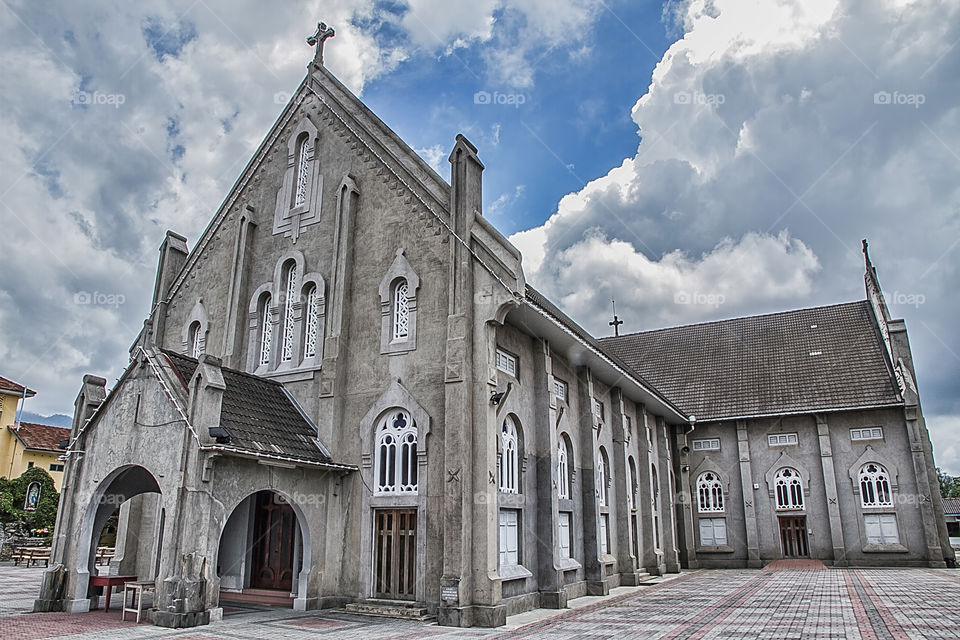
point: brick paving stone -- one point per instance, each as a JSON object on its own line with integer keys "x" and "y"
{"x": 803, "y": 603}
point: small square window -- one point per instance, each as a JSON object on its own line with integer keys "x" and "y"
{"x": 867, "y": 433}
{"x": 881, "y": 528}
{"x": 713, "y": 532}
{"x": 30, "y": 464}
{"x": 707, "y": 444}
{"x": 507, "y": 362}
{"x": 782, "y": 439}
{"x": 560, "y": 389}
{"x": 56, "y": 467}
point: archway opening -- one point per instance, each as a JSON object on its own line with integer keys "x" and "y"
{"x": 125, "y": 522}
{"x": 260, "y": 559}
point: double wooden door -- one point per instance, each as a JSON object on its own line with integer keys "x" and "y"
{"x": 395, "y": 554}
{"x": 274, "y": 529}
{"x": 793, "y": 537}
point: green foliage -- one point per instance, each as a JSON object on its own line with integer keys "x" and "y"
{"x": 949, "y": 485}
{"x": 13, "y": 493}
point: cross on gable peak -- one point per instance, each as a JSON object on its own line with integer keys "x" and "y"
{"x": 318, "y": 38}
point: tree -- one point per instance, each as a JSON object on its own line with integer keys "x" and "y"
{"x": 949, "y": 485}
{"x": 13, "y": 494}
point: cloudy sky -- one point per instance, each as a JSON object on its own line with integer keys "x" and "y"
{"x": 693, "y": 159}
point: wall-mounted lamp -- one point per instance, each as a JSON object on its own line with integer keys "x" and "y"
{"x": 685, "y": 468}
{"x": 221, "y": 435}
{"x": 685, "y": 450}
{"x": 497, "y": 397}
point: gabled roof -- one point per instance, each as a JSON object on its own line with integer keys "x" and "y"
{"x": 819, "y": 359}
{"x": 13, "y": 387}
{"x": 259, "y": 414}
{"x": 40, "y": 437}
{"x": 951, "y": 506}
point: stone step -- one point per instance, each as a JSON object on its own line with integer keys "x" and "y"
{"x": 389, "y": 609}
{"x": 266, "y": 597}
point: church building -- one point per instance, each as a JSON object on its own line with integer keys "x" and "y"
{"x": 347, "y": 395}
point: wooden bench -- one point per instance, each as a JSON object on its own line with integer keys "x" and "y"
{"x": 31, "y": 556}
{"x": 105, "y": 555}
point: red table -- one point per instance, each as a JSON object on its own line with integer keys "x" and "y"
{"x": 108, "y": 583}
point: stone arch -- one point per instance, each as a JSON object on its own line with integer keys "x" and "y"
{"x": 785, "y": 460}
{"x": 253, "y": 325}
{"x": 306, "y": 282}
{"x": 291, "y": 218}
{"x": 198, "y": 316}
{"x": 399, "y": 270}
{"x": 872, "y": 455}
{"x": 239, "y": 523}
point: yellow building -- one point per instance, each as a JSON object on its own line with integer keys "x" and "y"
{"x": 27, "y": 445}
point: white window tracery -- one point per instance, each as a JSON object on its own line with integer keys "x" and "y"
{"x": 196, "y": 348}
{"x": 312, "y": 322}
{"x": 710, "y": 493}
{"x": 303, "y": 171}
{"x": 396, "y": 454}
{"x": 401, "y": 311}
{"x": 789, "y": 489}
{"x": 563, "y": 471}
{"x": 602, "y": 478}
{"x": 875, "y": 486}
{"x": 290, "y": 299}
{"x": 266, "y": 332}
{"x": 509, "y": 457}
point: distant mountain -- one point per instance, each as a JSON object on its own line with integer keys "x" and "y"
{"x": 56, "y": 420}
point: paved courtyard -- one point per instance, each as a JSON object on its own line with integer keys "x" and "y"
{"x": 870, "y": 604}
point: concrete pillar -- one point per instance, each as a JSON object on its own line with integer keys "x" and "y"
{"x": 684, "y": 506}
{"x": 592, "y": 568}
{"x": 830, "y": 489}
{"x": 749, "y": 496}
{"x": 627, "y": 563}
{"x": 649, "y": 524}
{"x": 668, "y": 541}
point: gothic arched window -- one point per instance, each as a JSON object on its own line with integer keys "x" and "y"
{"x": 396, "y": 453}
{"x": 310, "y": 336}
{"x": 302, "y": 173}
{"x": 401, "y": 311}
{"x": 602, "y": 478}
{"x": 196, "y": 335}
{"x": 266, "y": 331}
{"x": 632, "y": 489}
{"x": 875, "y": 486}
{"x": 509, "y": 456}
{"x": 289, "y": 301}
{"x": 710, "y": 493}
{"x": 789, "y": 489}
{"x": 563, "y": 469}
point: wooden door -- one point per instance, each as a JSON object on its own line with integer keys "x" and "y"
{"x": 793, "y": 537}
{"x": 395, "y": 554}
{"x": 273, "y": 529}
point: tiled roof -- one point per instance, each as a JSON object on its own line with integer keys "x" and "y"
{"x": 13, "y": 387}
{"x": 951, "y": 506}
{"x": 40, "y": 437}
{"x": 260, "y": 415}
{"x": 818, "y": 359}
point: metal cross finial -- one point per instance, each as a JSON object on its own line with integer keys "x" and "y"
{"x": 616, "y": 321}
{"x": 318, "y": 38}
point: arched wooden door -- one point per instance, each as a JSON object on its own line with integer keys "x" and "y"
{"x": 273, "y": 529}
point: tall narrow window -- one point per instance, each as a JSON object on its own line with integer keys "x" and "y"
{"x": 509, "y": 537}
{"x": 632, "y": 489}
{"x": 509, "y": 457}
{"x": 303, "y": 170}
{"x": 563, "y": 471}
{"x": 196, "y": 347}
{"x": 289, "y": 300}
{"x": 312, "y": 322}
{"x": 401, "y": 311}
{"x": 602, "y": 478}
{"x": 604, "y": 536}
{"x": 789, "y": 489}
{"x": 266, "y": 332}
{"x": 875, "y": 486}
{"x": 710, "y": 493}
{"x": 396, "y": 454}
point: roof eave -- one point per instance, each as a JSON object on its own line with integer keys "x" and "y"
{"x": 300, "y": 462}
{"x": 800, "y": 412}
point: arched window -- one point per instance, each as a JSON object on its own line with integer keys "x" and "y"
{"x": 875, "y": 486}
{"x": 401, "y": 311}
{"x": 396, "y": 453}
{"x": 632, "y": 489}
{"x": 509, "y": 457}
{"x": 302, "y": 173}
{"x": 602, "y": 478}
{"x": 789, "y": 489}
{"x": 312, "y": 322}
{"x": 710, "y": 493}
{"x": 196, "y": 346}
{"x": 563, "y": 470}
{"x": 266, "y": 331}
{"x": 289, "y": 300}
